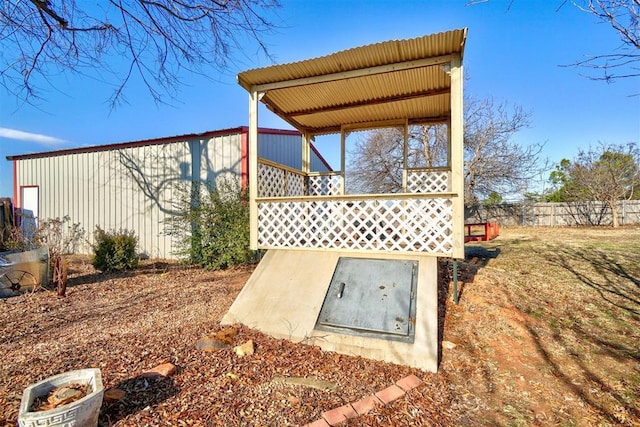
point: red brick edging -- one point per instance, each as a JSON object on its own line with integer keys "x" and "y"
{"x": 339, "y": 415}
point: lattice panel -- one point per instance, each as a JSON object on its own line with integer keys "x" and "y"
{"x": 325, "y": 185}
{"x": 295, "y": 184}
{"x": 406, "y": 225}
{"x": 270, "y": 181}
{"x": 276, "y": 182}
{"x": 427, "y": 181}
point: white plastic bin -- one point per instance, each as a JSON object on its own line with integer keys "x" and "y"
{"x": 81, "y": 413}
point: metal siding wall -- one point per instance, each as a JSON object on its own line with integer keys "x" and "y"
{"x": 317, "y": 165}
{"x": 99, "y": 189}
{"x": 287, "y": 150}
{"x": 284, "y": 149}
{"x": 221, "y": 158}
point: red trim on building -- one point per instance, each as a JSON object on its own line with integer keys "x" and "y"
{"x": 272, "y": 131}
{"x": 244, "y": 159}
{"x": 154, "y": 141}
{"x": 16, "y": 199}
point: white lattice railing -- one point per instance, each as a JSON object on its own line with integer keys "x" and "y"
{"x": 325, "y": 184}
{"x": 279, "y": 181}
{"x": 309, "y": 211}
{"x": 427, "y": 181}
{"x": 406, "y": 223}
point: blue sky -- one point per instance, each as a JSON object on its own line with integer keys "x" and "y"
{"x": 512, "y": 54}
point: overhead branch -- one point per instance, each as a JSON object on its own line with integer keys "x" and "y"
{"x": 157, "y": 41}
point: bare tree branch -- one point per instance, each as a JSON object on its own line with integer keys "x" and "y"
{"x": 159, "y": 40}
{"x": 624, "y": 17}
{"x": 493, "y": 161}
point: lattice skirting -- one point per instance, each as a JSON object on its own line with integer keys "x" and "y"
{"x": 406, "y": 225}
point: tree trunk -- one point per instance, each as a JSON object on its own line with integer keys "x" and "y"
{"x": 60, "y": 275}
{"x": 614, "y": 213}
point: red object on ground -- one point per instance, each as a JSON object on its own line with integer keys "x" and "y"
{"x": 491, "y": 231}
{"x": 164, "y": 370}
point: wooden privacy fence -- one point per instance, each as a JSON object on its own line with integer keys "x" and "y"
{"x": 554, "y": 214}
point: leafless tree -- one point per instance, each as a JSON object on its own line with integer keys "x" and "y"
{"x": 624, "y": 18}
{"x": 377, "y": 157}
{"x": 493, "y": 161}
{"x": 376, "y": 162}
{"x": 118, "y": 41}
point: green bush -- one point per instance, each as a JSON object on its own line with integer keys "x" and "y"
{"x": 212, "y": 225}
{"x": 114, "y": 251}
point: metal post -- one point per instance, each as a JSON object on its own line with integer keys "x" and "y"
{"x": 455, "y": 281}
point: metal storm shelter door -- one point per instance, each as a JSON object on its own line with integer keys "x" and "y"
{"x": 371, "y": 297}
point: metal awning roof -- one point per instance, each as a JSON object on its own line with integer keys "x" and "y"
{"x": 393, "y": 80}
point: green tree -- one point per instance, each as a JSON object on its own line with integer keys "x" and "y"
{"x": 609, "y": 173}
{"x": 492, "y": 199}
{"x": 564, "y": 188}
{"x": 212, "y": 225}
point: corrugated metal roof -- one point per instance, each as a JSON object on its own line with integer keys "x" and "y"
{"x": 398, "y": 79}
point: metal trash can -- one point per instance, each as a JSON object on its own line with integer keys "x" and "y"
{"x": 22, "y": 271}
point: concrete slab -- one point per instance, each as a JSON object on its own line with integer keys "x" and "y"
{"x": 284, "y": 295}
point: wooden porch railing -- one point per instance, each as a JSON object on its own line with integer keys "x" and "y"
{"x": 294, "y": 211}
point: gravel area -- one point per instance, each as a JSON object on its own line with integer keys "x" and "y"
{"x": 125, "y": 324}
{"x": 546, "y": 333}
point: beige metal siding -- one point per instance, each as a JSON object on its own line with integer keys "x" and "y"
{"x": 131, "y": 188}
{"x": 222, "y": 158}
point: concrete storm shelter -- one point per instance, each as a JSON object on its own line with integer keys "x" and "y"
{"x": 356, "y": 274}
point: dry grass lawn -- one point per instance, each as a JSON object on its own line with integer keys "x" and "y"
{"x": 549, "y": 327}
{"x": 547, "y": 332}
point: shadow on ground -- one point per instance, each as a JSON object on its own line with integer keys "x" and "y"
{"x": 607, "y": 292}
{"x": 147, "y": 267}
{"x": 615, "y": 282}
{"x": 139, "y": 393}
{"x": 476, "y": 257}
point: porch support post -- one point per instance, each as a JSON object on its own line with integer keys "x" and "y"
{"x": 449, "y": 147}
{"x": 343, "y": 143}
{"x": 405, "y": 154}
{"x": 457, "y": 155}
{"x": 306, "y": 160}
{"x": 306, "y": 152}
{"x": 253, "y": 169}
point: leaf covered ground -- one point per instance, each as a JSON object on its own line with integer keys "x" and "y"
{"x": 546, "y": 333}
